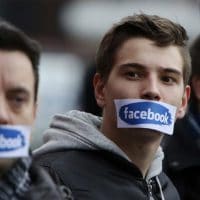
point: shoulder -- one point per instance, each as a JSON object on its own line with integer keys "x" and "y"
{"x": 72, "y": 160}
{"x": 69, "y": 166}
{"x": 84, "y": 159}
{"x": 168, "y": 187}
{"x": 42, "y": 186}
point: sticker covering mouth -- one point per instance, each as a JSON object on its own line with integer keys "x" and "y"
{"x": 139, "y": 113}
{"x": 14, "y": 141}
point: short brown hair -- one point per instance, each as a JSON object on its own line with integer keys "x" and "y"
{"x": 161, "y": 30}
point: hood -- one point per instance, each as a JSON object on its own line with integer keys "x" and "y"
{"x": 64, "y": 133}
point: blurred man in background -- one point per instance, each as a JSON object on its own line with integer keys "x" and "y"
{"x": 19, "y": 60}
{"x": 182, "y": 162}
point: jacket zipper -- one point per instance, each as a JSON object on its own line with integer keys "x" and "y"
{"x": 149, "y": 187}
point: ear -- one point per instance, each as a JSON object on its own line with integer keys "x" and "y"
{"x": 183, "y": 108}
{"x": 98, "y": 84}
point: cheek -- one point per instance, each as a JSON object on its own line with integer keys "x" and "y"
{"x": 177, "y": 101}
{"x": 122, "y": 91}
{"x": 27, "y": 116}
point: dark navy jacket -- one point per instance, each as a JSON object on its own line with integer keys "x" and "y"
{"x": 101, "y": 175}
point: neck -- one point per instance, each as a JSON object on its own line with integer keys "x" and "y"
{"x": 137, "y": 144}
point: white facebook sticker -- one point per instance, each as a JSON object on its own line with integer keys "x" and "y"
{"x": 140, "y": 113}
{"x": 14, "y": 141}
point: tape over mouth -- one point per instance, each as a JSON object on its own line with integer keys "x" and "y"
{"x": 14, "y": 141}
{"x": 140, "y": 113}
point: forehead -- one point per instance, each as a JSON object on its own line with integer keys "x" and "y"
{"x": 147, "y": 53}
{"x": 16, "y": 70}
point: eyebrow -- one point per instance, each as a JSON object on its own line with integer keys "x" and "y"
{"x": 19, "y": 90}
{"x": 143, "y": 68}
{"x": 133, "y": 65}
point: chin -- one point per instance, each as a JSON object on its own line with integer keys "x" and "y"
{"x": 5, "y": 163}
{"x": 146, "y": 134}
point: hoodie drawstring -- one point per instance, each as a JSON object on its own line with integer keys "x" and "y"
{"x": 159, "y": 185}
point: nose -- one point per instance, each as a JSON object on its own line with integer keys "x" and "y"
{"x": 4, "y": 113}
{"x": 151, "y": 89}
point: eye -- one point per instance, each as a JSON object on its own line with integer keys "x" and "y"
{"x": 17, "y": 101}
{"x": 133, "y": 75}
{"x": 168, "y": 80}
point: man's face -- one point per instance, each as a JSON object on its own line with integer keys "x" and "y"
{"x": 17, "y": 105}
{"x": 143, "y": 70}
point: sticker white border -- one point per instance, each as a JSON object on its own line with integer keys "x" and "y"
{"x": 166, "y": 129}
{"x": 20, "y": 152}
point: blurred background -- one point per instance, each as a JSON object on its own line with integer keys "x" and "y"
{"x": 70, "y": 31}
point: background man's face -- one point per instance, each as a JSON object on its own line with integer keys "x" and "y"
{"x": 17, "y": 104}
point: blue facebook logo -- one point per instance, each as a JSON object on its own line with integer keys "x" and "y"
{"x": 145, "y": 112}
{"x": 10, "y": 139}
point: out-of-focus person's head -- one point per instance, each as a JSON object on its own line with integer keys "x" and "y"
{"x": 160, "y": 30}
{"x": 19, "y": 60}
{"x": 195, "y": 77}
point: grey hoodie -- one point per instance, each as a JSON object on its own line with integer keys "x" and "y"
{"x": 64, "y": 133}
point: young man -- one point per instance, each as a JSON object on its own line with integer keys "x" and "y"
{"x": 143, "y": 67}
{"x": 182, "y": 163}
{"x": 19, "y": 177}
